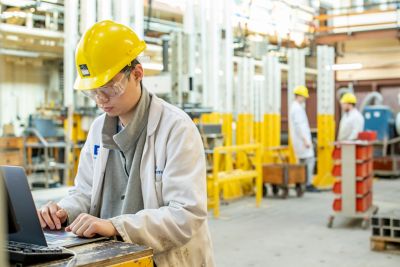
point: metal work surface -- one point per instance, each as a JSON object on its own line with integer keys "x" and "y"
{"x": 107, "y": 253}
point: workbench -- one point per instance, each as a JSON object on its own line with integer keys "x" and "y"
{"x": 107, "y": 253}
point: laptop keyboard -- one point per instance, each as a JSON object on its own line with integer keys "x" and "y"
{"x": 30, "y": 253}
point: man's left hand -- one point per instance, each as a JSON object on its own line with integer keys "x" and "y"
{"x": 88, "y": 226}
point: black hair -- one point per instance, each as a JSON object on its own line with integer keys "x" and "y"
{"x": 128, "y": 69}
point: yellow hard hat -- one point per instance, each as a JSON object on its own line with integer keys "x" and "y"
{"x": 103, "y": 51}
{"x": 301, "y": 90}
{"x": 348, "y": 98}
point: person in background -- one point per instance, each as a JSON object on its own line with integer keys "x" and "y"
{"x": 352, "y": 121}
{"x": 300, "y": 134}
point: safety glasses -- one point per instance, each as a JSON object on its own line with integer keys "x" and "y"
{"x": 112, "y": 90}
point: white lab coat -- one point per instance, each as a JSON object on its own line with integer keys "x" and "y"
{"x": 351, "y": 124}
{"x": 299, "y": 128}
{"x": 173, "y": 176}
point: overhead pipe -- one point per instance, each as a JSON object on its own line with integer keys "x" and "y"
{"x": 375, "y": 97}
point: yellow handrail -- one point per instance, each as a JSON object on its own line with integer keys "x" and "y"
{"x": 236, "y": 174}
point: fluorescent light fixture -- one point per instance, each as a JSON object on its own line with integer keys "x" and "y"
{"x": 351, "y": 66}
{"x": 19, "y": 53}
{"x": 152, "y": 66}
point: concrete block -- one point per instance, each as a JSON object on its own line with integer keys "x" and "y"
{"x": 385, "y": 221}
{"x": 375, "y": 222}
{"x": 386, "y": 232}
{"x": 376, "y": 231}
{"x": 396, "y": 233}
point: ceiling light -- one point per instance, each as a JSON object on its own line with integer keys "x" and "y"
{"x": 351, "y": 66}
{"x": 19, "y": 53}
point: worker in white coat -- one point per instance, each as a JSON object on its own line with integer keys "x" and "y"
{"x": 142, "y": 174}
{"x": 352, "y": 121}
{"x": 300, "y": 134}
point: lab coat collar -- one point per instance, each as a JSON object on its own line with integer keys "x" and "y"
{"x": 156, "y": 109}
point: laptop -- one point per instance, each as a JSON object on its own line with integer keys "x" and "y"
{"x": 27, "y": 224}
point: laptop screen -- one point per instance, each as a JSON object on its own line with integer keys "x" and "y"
{"x": 16, "y": 185}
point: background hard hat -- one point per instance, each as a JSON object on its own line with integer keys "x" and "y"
{"x": 301, "y": 90}
{"x": 348, "y": 98}
{"x": 103, "y": 51}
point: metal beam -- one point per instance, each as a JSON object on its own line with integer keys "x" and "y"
{"x": 190, "y": 49}
{"x": 326, "y": 80}
{"x": 378, "y": 34}
{"x": 122, "y": 9}
{"x": 228, "y": 60}
{"x": 104, "y": 9}
{"x": 138, "y": 18}
{"x": 71, "y": 39}
{"x": 272, "y": 85}
{"x": 296, "y": 72}
{"x": 214, "y": 55}
{"x": 88, "y": 14}
{"x": 31, "y": 32}
{"x": 203, "y": 52}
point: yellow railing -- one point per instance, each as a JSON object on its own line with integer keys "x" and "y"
{"x": 231, "y": 173}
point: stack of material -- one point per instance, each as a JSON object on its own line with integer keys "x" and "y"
{"x": 385, "y": 230}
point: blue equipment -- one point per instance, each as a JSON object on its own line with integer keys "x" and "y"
{"x": 381, "y": 120}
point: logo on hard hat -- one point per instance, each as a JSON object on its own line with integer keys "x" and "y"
{"x": 84, "y": 70}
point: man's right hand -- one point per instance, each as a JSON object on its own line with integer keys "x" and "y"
{"x": 51, "y": 215}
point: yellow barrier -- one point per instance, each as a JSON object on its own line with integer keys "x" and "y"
{"x": 254, "y": 172}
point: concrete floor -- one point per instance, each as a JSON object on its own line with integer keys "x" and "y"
{"x": 290, "y": 232}
{"x": 293, "y": 232}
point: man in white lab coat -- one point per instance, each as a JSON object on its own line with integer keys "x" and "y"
{"x": 142, "y": 173}
{"x": 300, "y": 134}
{"x": 352, "y": 121}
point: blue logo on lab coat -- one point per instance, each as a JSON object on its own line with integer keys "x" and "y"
{"x": 95, "y": 151}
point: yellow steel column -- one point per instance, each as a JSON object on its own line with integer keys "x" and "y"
{"x": 271, "y": 136}
{"x": 277, "y": 129}
{"x": 325, "y": 119}
{"x": 227, "y": 120}
{"x": 216, "y": 159}
{"x": 259, "y": 178}
{"x": 257, "y": 131}
{"x": 267, "y": 141}
{"x": 326, "y": 138}
{"x": 271, "y": 106}
{"x": 245, "y": 129}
